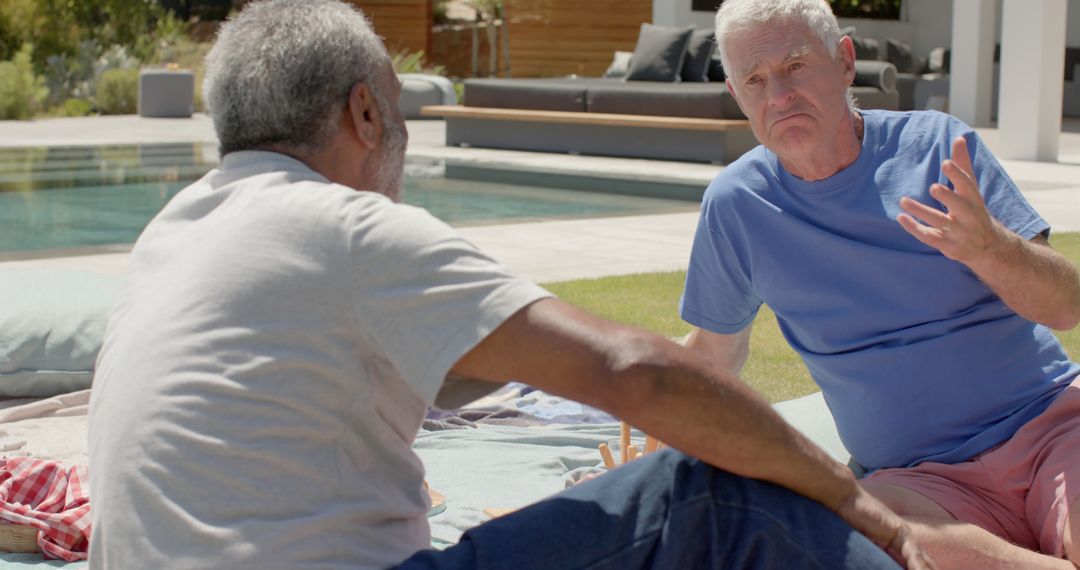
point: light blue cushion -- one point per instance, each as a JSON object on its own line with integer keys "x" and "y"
{"x": 811, "y": 416}
{"x": 52, "y": 322}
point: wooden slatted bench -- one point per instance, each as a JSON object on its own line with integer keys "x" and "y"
{"x": 637, "y": 136}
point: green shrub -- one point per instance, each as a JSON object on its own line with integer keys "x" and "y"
{"x": 118, "y": 91}
{"x": 405, "y": 61}
{"x": 76, "y": 108}
{"x": 71, "y": 76}
{"x": 21, "y": 91}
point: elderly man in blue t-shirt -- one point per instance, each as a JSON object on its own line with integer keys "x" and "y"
{"x": 914, "y": 280}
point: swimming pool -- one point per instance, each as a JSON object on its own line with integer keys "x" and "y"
{"x": 70, "y": 200}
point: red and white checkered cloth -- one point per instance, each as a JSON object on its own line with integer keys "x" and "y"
{"x": 51, "y": 497}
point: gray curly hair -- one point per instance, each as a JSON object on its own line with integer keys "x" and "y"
{"x": 280, "y": 72}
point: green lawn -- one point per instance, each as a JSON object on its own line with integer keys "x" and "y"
{"x": 651, "y": 301}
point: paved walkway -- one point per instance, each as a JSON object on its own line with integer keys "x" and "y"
{"x": 547, "y": 251}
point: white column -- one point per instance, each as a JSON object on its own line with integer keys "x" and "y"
{"x": 1032, "y": 60}
{"x": 972, "y": 62}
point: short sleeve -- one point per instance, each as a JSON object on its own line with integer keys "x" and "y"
{"x": 1003, "y": 198}
{"x": 718, "y": 295}
{"x": 423, "y": 294}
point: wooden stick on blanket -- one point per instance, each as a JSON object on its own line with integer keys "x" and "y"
{"x": 605, "y": 454}
{"x": 628, "y": 452}
{"x": 624, "y": 448}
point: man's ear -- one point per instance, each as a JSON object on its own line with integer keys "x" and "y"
{"x": 363, "y": 113}
{"x": 846, "y": 55}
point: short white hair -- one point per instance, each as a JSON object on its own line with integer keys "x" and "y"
{"x": 280, "y": 72}
{"x": 735, "y": 16}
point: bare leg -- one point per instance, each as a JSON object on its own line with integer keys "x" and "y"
{"x": 953, "y": 544}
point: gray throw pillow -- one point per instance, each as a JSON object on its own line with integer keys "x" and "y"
{"x": 865, "y": 48}
{"x": 52, "y": 324}
{"x": 619, "y": 65}
{"x": 898, "y": 53}
{"x": 698, "y": 52}
{"x": 938, "y": 60}
{"x": 716, "y": 69}
{"x": 659, "y": 53}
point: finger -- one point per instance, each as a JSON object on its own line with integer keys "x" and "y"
{"x": 926, "y": 214}
{"x": 925, "y": 234}
{"x": 961, "y": 159}
{"x": 961, "y": 156}
{"x": 963, "y": 182}
{"x": 955, "y": 204}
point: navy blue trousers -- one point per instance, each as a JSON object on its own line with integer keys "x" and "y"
{"x": 667, "y": 511}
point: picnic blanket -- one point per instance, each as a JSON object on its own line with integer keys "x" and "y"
{"x": 508, "y": 450}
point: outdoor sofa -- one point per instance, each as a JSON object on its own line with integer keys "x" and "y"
{"x": 922, "y": 82}
{"x": 653, "y": 109}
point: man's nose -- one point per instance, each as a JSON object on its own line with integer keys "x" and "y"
{"x": 780, "y": 91}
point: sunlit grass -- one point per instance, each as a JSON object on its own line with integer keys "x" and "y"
{"x": 651, "y": 301}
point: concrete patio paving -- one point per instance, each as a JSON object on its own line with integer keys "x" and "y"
{"x": 552, "y": 250}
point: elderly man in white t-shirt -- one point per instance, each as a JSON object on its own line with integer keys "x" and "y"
{"x": 286, "y": 322}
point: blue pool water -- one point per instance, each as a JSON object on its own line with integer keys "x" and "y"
{"x": 71, "y": 198}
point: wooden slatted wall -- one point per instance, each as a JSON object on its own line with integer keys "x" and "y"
{"x": 560, "y": 37}
{"x": 404, "y": 24}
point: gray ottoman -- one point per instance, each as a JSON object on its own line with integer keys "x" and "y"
{"x": 166, "y": 93}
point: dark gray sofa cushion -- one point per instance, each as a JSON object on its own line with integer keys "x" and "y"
{"x": 659, "y": 53}
{"x": 898, "y": 53}
{"x": 878, "y": 74}
{"x": 1072, "y": 59}
{"x": 698, "y": 100}
{"x": 865, "y": 48}
{"x": 716, "y": 69}
{"x": 699, "y": 51}
{"x": 537, "y": 94}
{"x": 905, "y": 87}
{"x": 874, "y": 98}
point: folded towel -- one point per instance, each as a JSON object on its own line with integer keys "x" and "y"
{"x": 51, "y": 497}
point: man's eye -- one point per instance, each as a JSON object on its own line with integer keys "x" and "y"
{"x": 754, "y": 80}
{"x": 797, "y": 65}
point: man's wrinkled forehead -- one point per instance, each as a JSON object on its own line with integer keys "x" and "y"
{"x": 756, "y": 60}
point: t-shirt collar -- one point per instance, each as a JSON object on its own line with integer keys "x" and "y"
{"x": 246, "y": 163}
{"x": 845, "y": 176}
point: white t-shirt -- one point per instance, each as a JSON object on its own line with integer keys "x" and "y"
{"x": 267, "y": 367}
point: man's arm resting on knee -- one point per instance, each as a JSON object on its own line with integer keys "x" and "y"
{"x": 672, "y": 393}
{"x": 660, "y": 387}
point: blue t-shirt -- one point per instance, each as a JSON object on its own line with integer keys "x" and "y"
{"x": 917, "y": 358}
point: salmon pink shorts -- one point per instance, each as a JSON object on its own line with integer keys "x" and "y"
{"x": 1020, "y": 490}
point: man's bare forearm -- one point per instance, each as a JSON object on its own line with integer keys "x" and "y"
{"x": 711, "y": 414}
{"x": 1031, "y": 278}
